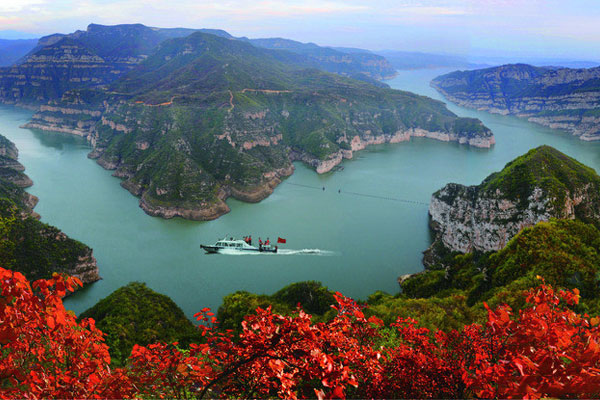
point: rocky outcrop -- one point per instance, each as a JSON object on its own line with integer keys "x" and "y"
{"x": 540, "y": 185}
{"x": 206, "y": 211}
{"x": 560, "y": 98}
{"x": 13, "y": 180}
{"x": 83, "y": 266}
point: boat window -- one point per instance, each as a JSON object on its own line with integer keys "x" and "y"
{"x": 219, "y": 244}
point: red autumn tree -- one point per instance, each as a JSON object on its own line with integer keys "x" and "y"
{"x": 44, "y": 351}
{"x": 545, "y": 350}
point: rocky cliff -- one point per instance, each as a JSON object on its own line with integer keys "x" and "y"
{"x": 561, "y": 98}
{"x": 83, "y": 59}
{"x": 542, "y": 184}
{"x": 13, "y": 179}
{"x": 30, "y": 246}
{"x": 206, "y": 117}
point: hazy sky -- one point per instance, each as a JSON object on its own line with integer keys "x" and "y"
{"x": 552, "y": 28}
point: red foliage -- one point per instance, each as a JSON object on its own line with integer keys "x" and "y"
{"x": 44, "y": 351}
{"x": 548, "y": 350}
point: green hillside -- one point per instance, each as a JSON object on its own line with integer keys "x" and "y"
{"x": 135, "y": 314}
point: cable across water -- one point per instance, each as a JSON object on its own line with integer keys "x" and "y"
{"x": 373, "y": 196}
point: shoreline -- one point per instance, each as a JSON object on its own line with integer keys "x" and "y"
{"x": 561, "y": 123}
{"x": 218, "y": 207}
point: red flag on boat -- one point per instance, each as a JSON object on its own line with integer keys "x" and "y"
{"x": 280, "y": 240}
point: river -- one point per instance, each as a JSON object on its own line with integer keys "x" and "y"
{"x": 363, "y": 231}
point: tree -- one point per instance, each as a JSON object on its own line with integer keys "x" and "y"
{"x": 44, "y": 351}
{"x": 544, "y": 350}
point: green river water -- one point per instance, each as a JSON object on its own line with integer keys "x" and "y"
{"x": 363, "y": 243}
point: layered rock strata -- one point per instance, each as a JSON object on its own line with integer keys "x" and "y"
{"x": 560, "y": 98}
{"x": 540, "y": 185}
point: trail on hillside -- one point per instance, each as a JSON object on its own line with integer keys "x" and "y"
{"x": 232, "y": 106}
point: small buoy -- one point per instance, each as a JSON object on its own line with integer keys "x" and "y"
{"x": 323, "y": 188}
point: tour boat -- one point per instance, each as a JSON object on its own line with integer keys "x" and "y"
{"x": 237, "y": 245}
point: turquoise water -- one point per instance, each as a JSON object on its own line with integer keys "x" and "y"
{"x": 364, "y": 242}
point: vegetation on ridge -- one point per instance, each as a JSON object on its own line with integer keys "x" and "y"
{"x": 546, "y": 168}
{"x": 135, "y": 314}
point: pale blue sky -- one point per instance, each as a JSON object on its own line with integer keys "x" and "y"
{"x": 546, "y": 28}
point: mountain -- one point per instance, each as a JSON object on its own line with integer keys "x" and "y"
{"x": 538, "y": 186}
{"x": 102, "y": 54}
{"x": 13, "y": 50}
{"x": 29, "y": 246}
{"x": 561, "y": 98}
{"x": 204, "y": 118}
{"x": 344, "y": 61}
{"x": 90, "y": 58}
{"x": 136, "y": 314}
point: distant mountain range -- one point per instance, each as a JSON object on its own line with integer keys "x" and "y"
{"x": 104, "y": 53}
{"x": 189, "y": 118}
{"x": 12, "y": 51}
{"x": 562, "y": 98}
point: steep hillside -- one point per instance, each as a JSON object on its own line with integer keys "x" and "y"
{"x": 13, "y": 179}
{"x": 542, "y": 184}
{"x": 96, "y": 56}
{"x": 102, "y": 54}
{"x": 561, "y": 98}
{"x": 206, "y": 117}
{"x": 563, "y": 252}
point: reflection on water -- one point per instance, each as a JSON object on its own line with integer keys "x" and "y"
{"x": 58, "y": 140}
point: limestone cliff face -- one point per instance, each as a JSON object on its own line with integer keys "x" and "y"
{"x": 83, "y": 266}
{"x": 468, "y": 221}
{"x": 13, "y": 179}
{"x": 485, "y": 217}
{"x": 244, "y": 134}
{"x": 560, "y": 98}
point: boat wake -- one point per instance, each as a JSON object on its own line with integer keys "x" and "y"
{"x": 280, "y": 252}
{"x": 314, "y": 252}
